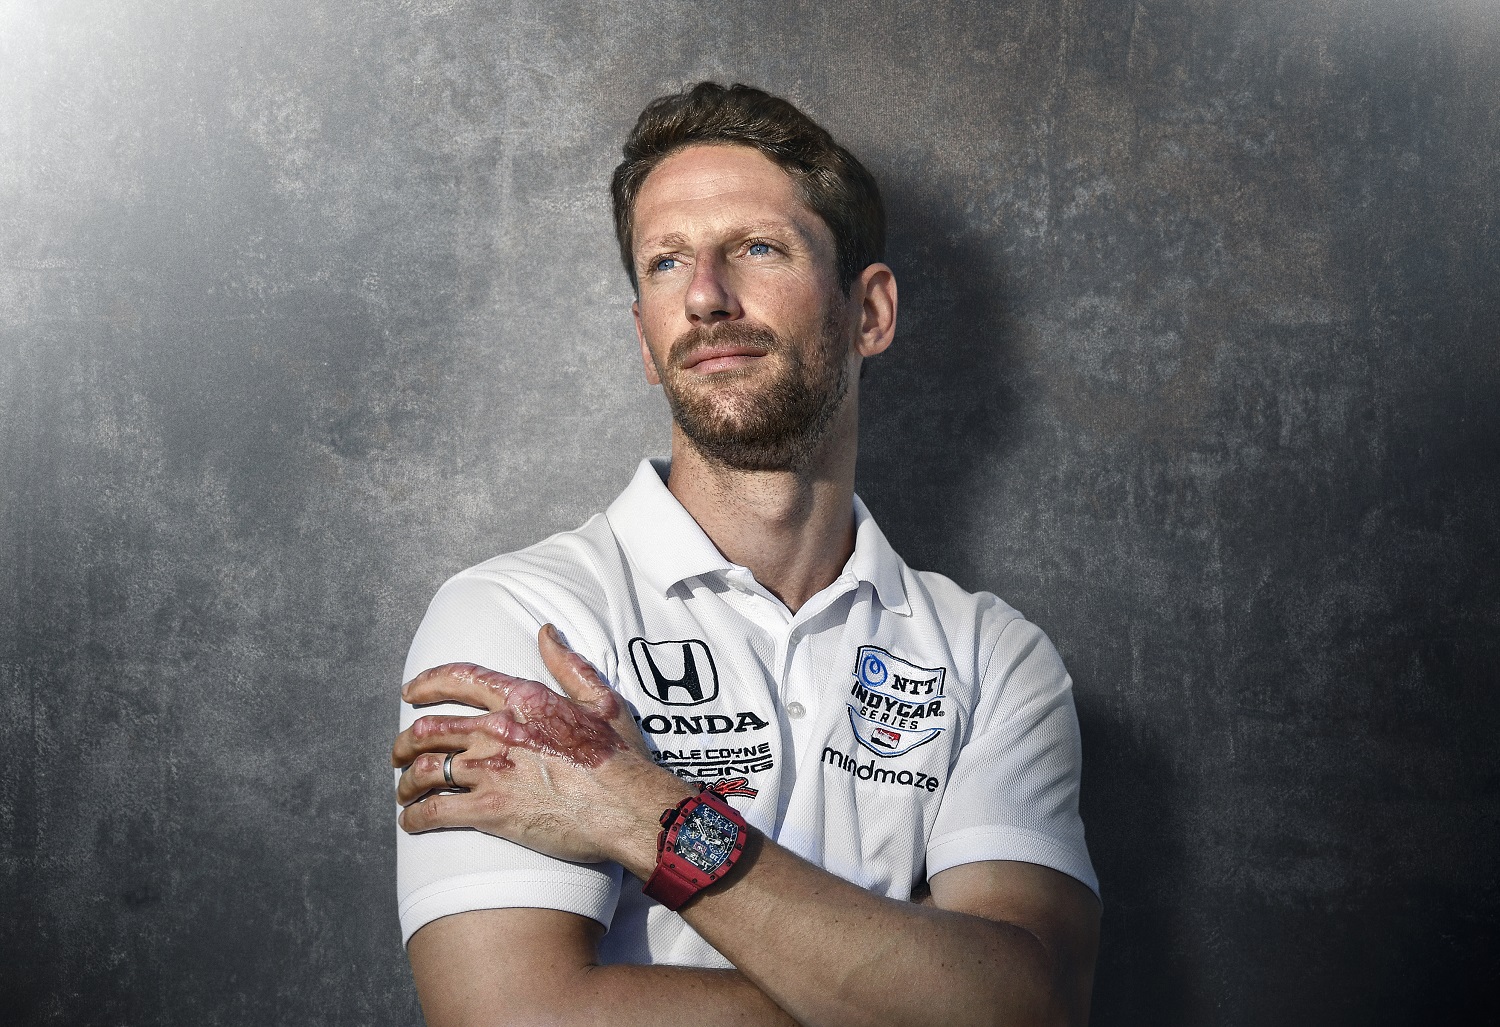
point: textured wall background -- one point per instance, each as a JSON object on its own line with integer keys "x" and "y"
{"x": 304, "y": 306}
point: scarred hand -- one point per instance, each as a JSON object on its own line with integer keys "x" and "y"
{"x": 567, "y": 775}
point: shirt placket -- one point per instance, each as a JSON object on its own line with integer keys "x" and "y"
{"x": 802, "y": 689}
{"x": 795, "y": 678}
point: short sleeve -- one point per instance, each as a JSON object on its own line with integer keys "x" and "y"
{"x": 1013, "y": 791}
{"x": 476, "y": 618}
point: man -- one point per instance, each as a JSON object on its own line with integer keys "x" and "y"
{"x": 890, "y": 832}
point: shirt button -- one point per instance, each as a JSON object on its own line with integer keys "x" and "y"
{"x": 796, "y": 710}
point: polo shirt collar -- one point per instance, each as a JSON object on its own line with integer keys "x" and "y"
{"x": 661, "y": 538}
{"x": 876, "y": 562}
{"x": 667, "y": 546}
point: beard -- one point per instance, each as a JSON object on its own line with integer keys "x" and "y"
{"x": 776, "y": 426}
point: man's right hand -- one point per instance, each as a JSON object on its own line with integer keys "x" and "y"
{"x": 567, "y": 775}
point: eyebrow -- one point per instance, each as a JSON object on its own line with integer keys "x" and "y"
{"x": 673, "y": 240}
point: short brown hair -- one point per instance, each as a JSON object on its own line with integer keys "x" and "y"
{"x": 833, "y": 183}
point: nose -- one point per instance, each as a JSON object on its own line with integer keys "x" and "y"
{"x": 710, "y": 296}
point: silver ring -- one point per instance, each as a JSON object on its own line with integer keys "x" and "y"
{"x": 448, "y": 770}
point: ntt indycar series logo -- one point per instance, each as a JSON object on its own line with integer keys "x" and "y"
{"x": 894, "y": 706}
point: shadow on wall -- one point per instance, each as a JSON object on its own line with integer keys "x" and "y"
{"x": 1146, "y": 971}
{"x": 940, "y": 407}
{"x": 942, "y": 415}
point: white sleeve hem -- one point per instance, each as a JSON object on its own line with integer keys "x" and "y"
{"x": 592, "y": 896}
{"x": 977, "y": 844}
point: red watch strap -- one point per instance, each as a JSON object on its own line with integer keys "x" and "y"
{"x": 665, "y": 886}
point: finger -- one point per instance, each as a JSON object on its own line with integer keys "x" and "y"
{"x": 466, "y": 683}
{"x": 445, "y": 809}
{"x": 451, "y": 734}
{"x": 430, "y": 772}
{"x": 578, "y": 678}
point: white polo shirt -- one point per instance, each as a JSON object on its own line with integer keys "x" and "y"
{"x": 893, "y": 727}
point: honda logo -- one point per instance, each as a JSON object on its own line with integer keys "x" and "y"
{"x": 678, "y": 673}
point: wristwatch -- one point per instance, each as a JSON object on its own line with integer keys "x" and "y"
{"x": 701, "y": 839}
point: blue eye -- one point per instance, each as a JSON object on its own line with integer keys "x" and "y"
{"x": 759, "y": 249}
{"x": 664, "y": 264}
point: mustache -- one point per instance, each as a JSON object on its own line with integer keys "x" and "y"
{"x": 734, "y": 333}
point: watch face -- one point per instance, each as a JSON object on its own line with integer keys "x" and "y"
{"x": 706, "y": 838}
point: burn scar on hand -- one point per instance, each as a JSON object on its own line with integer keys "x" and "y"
{"x": 543, "y": 721}
{"x": 527, "y": 713}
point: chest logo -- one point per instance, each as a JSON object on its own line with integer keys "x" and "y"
{"x": 894, "y": 705}
{"x": 677, "y": 673}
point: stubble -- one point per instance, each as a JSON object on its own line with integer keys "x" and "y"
{"x": 771, "y": 426}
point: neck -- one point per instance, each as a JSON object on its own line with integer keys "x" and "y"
{"x": 794, "y": 530}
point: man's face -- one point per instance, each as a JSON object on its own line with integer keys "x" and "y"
{"x": 740, "y": 316}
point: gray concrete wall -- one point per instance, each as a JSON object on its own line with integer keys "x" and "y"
{"x": 304, "y": 306}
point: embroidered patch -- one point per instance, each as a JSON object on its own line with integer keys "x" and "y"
{"x": 893, "y": 704}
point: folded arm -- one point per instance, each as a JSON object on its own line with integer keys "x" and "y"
{"x": 538, "y": 966}
{"x": 998, "y": 942}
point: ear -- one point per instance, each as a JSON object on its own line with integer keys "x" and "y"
{"x": 651, "y": 376}
{"x": 876, "y": 290}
